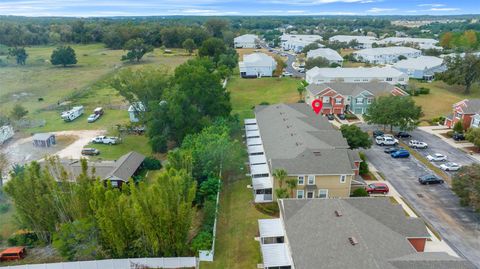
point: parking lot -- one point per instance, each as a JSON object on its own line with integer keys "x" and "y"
{"x": 458, "y": 226}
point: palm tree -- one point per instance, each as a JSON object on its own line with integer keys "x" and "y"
{"x": 281, "y": 193}
{"x": 280, "y": 175}
{"x": 3, "y": 166}
{"x": 292, "y": 184}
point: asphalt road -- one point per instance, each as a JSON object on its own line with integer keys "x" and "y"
{"x": 458, "y": 226}
{"x": 290, "y": 69}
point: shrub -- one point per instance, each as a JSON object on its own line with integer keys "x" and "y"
{"x": 458, "y": 127}
{"x": 423, "y": 90}
{"x": 363, "y": 169}
{"x": 437, "y": 120}
{"x": 270, "y": 209}
{"x": 4, "y": 208}
{"x": 203, "y": 241}
{"x": 264, "y": 103}
{"x": 360, "y": 192}
{"x": 350, "y": 116}
{"x": 209, "y": 210}
{"x": 151, "y": 163}
{"x": 22, "y": 238}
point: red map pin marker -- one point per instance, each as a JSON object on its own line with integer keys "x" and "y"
{"x": 317, "y": 105}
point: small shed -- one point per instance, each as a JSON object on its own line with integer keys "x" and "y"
{"x": 44, "y": 140}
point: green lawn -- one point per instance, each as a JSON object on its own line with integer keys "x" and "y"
{"x": 441, "y": 98}
{"x": 246, "y": 93}
{"x": 138, "y": 143}
{"x": 237, "y": 226}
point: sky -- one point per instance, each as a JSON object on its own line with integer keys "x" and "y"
{"x": 102, "y": 8}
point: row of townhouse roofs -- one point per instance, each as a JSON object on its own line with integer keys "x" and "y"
{"x": 423, "y": 67}
{"x": 361, "y": 233}
{"x": 312, "y": 230}
{"x": 296, "y": 42}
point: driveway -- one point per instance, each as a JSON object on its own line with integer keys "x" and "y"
{"x": 290, "y": 69}
{"x": 437, "y": 204}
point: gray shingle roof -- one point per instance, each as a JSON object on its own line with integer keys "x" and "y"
{"x": 430, "y": 260}
{"x": 473, "y": 106}
{"x": 121, "y": 169}
{"x": 318, "y": 237}
{"x": 291, "y": 133}
{"x": 42, "y": 136}
{"x": 352, "y": 89}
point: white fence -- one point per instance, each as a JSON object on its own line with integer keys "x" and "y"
{"x": 135, "y": 263}
{"x": 207, "y": 255}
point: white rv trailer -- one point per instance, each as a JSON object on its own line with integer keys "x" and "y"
{"x": 72, "y": 114}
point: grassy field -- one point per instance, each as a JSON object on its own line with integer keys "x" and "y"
{"x": 246, "y": 93}
{"x": 441, "y": 98}
{"x": 84, "y": 84}
{"x": 138, "y": 143}
{"x": 237, "y": 226}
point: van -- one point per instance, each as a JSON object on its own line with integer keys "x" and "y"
{"x": 98, "y": 111}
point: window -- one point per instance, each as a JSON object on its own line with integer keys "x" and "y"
{"x": 389, "y": 79}
{"x": 114, "y": 183}
{"x": 323, "y": 193}
{"x": 300, "y": 194}
{"x": 369, "y": 100}
{"x": 338, "y": 101}
{"x": 311, "y": 180}
{"x": 343, "y": 178}
{"x": 359, "y": 100}
{"x": 301, "y": 180}
{"x": 326, "y": 99}
{"x": 310, "y": 194}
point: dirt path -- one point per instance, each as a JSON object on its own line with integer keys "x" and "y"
{"x": 22, "y": 151}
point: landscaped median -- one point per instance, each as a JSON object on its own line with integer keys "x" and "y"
{"x": 439, "y": 172}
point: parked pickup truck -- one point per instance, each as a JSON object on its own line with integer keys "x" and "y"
{"x": 101, "y": 139}
{"x": 386, "y": 141}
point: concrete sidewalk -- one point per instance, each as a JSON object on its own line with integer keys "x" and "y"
{"x": 439, "y": 130}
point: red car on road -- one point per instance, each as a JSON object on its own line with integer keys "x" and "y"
{"x": 377, "y": 188}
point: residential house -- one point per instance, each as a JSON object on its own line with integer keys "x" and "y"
{"x": 390, "y": 75}
{"x": 387, "y": 55}
{"x": 257, "y": 65}
{"x": 298, "y": 42}
{"x": 360, "y": 233}
{"x": 292, "y": 137}
{"x": 44, "y": 140}
{"x": 338, "y": 98}
{"x": 246, "y": 41}
{"x": 117, "y": 172}
{"x": 466, "y": 111}
{"x": 402, "y": 41}
{"x": 331, "y": 55}
{"x": 423, "y": 67}
{"x": 364, "y": 42}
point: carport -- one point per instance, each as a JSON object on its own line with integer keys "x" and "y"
{"x": 44, "y": 140}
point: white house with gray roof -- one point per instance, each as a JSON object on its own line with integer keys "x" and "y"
{"x": 331, "y": 55}
{"x": 390, "y": 75}
{"x": 246, "y": 41}
{"x": 360, "y": 233}
{"x": 401, "y": 41}
{"x": 364, "y": 42}
{"x": 257, "y": 65}
{"x": 423, "y": 67}
{"x": 386, "y": 55}
{"x": 293, "y": 138}
{"x": 298, "y": 42}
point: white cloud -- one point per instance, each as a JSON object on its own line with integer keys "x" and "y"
{"x": 380, "y": 10}
{"x": 431, "y": 5}
{"x": 444, "y": 9}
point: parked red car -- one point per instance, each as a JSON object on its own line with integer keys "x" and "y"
{"x": 12, "y": 254}
{"x": 379, "y": 188}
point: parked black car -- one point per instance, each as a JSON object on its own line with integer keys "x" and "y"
{"x": 392, "y": 149}
{"x": 378, "y": 133}
{"x": 458, "y": 136}
{"x": 403, "y": 135}
{"x": 430, "y": 179}
{"x": 341, "y": 116}
{"x": 330, "y": 117}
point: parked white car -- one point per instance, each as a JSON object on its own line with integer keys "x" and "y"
{"x": 450, "y": 166}
{"x": 286, "y": 74}
{"x": 437, "y": 157}
{"x": 93, "y": 117}
{"x": 386, "y": 141}
{"x": 417, "y": 144}
{"x": 101, "y": 139}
